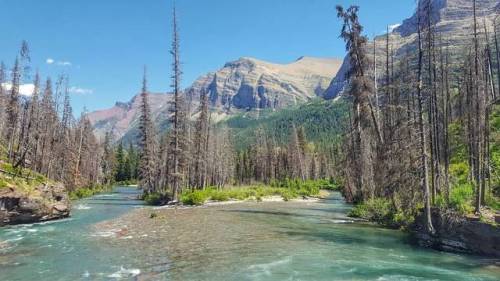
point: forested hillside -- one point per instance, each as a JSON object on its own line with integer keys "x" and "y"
{"x": 324, "y": 122}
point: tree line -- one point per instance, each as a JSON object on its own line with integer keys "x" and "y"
{"x": 38, "y": 130}
{"x": 196, "y": 153}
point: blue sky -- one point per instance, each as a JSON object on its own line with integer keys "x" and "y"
{"x": 103, "y": 44}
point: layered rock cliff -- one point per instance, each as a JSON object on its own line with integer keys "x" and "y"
{"x": 249, "y": 83}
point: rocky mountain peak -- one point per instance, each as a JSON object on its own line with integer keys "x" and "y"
{"x": 244, "y": 62}
{"x": 448, "y": 10}
{"x": 249, "y": 83}
{"x": 243, "y": 84}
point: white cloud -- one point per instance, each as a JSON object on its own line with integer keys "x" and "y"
{"x": 394, "y": 26}
{"x": 59, "y": 62}
{"x": 64, "y": 63}
{"x": 25, "y": 89}
{"x": 80, "y": 91}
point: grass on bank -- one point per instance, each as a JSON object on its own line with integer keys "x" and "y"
{"x": 22, "y": 180}
{"x": 287, "y": 189}
{"x": 85, "y": 192}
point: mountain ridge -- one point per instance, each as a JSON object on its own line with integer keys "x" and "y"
{"x": 240, "y": 85}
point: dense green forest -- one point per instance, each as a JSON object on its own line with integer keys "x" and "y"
{"x": 323, "y": 121}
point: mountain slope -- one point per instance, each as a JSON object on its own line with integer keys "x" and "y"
{"x": 323, "y": 122}
{"x": 124, "y": 117}
{"x": 453, "y": 25}
{"x": 245, "y": 84}
{"x": 249, "y": 83}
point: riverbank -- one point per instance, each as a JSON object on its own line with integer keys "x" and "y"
{"x": 86, "y": 192}
{"x": 458, "y": 234}
{"x": 454, "y": 231}
{"x": 28, "y": 197}
{"x": 286, "y": 190}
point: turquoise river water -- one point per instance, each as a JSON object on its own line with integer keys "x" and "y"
{"x": 245, "y": 241}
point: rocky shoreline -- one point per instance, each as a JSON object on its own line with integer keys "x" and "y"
{"x": 458, "y": 234}
{"x": 46, "y": 202}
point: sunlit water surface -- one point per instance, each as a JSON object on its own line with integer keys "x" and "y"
{"x": 105, "y": 240}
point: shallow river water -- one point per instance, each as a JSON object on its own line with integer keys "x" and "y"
{"x": 105, "y": 239}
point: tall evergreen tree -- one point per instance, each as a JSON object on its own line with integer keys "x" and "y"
{"x": 201, "y": 142}
{"x": 146, "y": 143}
{"x": 120, "y": 164}
{"x": 13, "y": 109}
{"x": 178, "y": 140}
{"x": 3, "y": 100}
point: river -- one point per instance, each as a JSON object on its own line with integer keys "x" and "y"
{"x": 114, "y": 237}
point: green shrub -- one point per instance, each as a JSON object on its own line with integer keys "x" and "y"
{"x": 81, "y": 193}
{"x": 287, "y": 194}
{"x": 197, "y": 197}
{"x": 461, "y": 197}
{"x": 287, "y": 189}
{"x": 222, "y": 196}
{"x": 3, "y": 183}
{"x": 153, "y": 199}
{"x": 459, "y": 172}
{"x": 377, "y": 210}
{"x": 492, "y": 201}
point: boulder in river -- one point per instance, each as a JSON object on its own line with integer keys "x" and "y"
{"x": 46, "y": 202}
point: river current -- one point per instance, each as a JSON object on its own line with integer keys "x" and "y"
{"x": 244, "y": 241}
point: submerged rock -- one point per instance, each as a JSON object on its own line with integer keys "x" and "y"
{"x": 46, "y": 202}
{"x": 454, "y": 233}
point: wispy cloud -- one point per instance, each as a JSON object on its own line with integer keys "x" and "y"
{"x": 59, "y": 62}
{"x": 64, "y": 63}
{"x": 394, "y": 26}
{"x": 80, "y": 91}
{"x": 24, "y": 89}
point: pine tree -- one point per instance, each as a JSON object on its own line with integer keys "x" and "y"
{"x": 108, "y": 160}
{"x": 146, "y": 143}
{"x": 366, "y": 135}
{"x": 296, "y": 156}
{"x": 120, "y": 164}
{"x": 13, "y": 110}
{"x": 29, "y": 127}
{"x": 421, "y": 129}
{"x": 178, "y": 140}
{"x": 131, "y": 163}
{"x": 201, "y": 142}
{"x": 3, "y": 100}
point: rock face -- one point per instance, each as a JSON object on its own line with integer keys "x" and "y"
{"x": 249, "y": 83}
{"x": 245, "y": 84}
{"x": 461, "y": 235}
{"x": 17, "y": 208}
{"x": 453, "y": 21}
